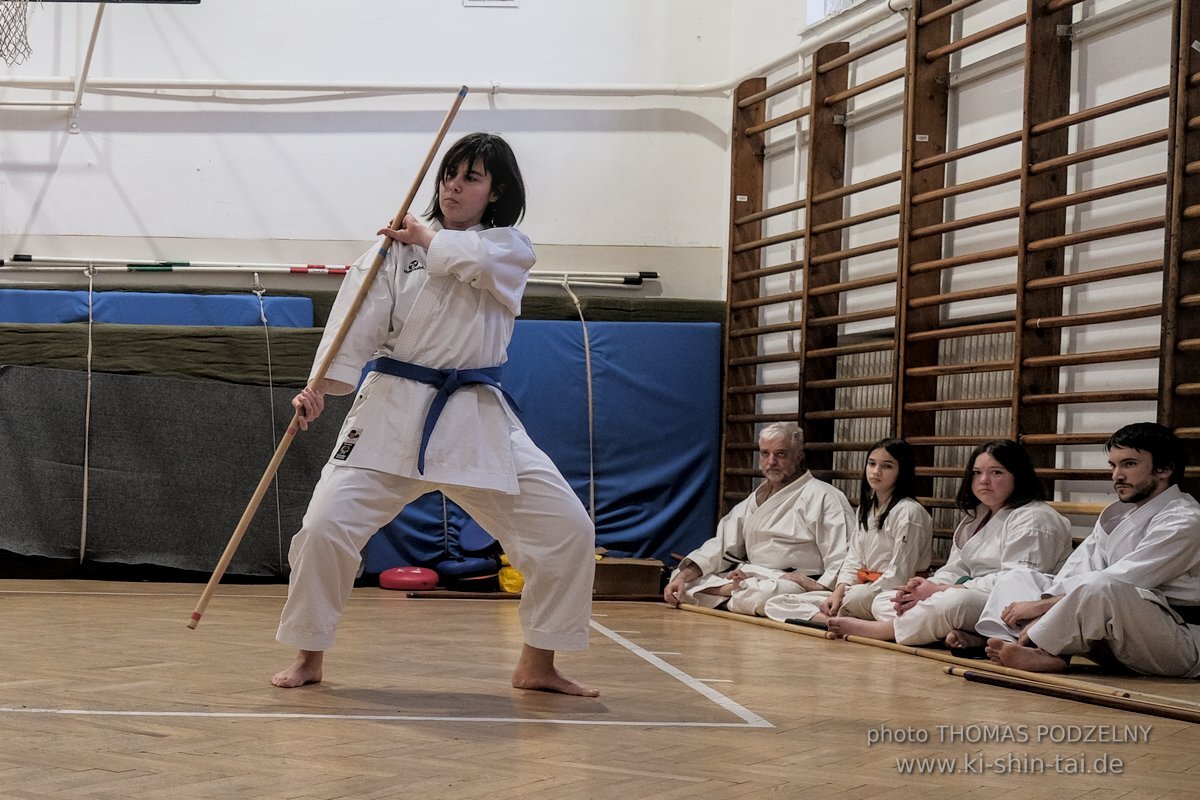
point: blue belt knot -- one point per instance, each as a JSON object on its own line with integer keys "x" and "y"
{"x": 447, "y": 382}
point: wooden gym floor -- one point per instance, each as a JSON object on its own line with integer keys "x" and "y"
{"x": 105, "y": 693}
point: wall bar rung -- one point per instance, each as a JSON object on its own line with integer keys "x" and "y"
{"x": 1095, "y": 318}
{"x": 1070, "y": 398}
{"x": 1097, "y": 234}
{"x": 1096, "y": 275}
{"x": 856, "y": 316}
{"x": 863, "y": 88}
{"x": 766, "y": 213}
{"x": 959, "y": 369}
{"x": 966, "y": 222}
{"x": 963, "y": 296}
{"x": 963, "y": 260}
{"x": 959, "y": 405}
{"x": 758, "y": 244}
{"x": 982, "y": 329}
{"x": 848, "y": 286}
{"x": 854, "y": 188}
{"x": 763, "y": 330}
{"x": 852, "y": 349}
{"x": 851, "y": 413}
{"x": 771, "y": 91}
{"x": 1094, "y": 153}
{"x": 1100, "y": 193}
{"x": 775, "y": 122}
{"x": 1096, "y": 357}
{"x": 858, "y": 219}
{"x": 986, "y": 145}
{"x": 863, "y": 50}
{"x": 975, "y": 38}
{"x": 853, "y": 252}
{"x": 843, "y": 383}
{"x": 765, "y": 272}
{"x": 1095, "y": 112}
{"x": 957, "y": 189}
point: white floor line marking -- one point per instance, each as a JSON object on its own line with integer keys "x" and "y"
{"x": 83, "y": 712}
{"x": 752, "y": 720}
{"x": 714, "y": 680}
{"x": 663, "y": 653}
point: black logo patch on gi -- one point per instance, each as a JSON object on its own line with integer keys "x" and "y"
{"x": 343, "y": 451}
{"x": 413, "y": 266}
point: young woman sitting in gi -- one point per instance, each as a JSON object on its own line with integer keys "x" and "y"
{"x": 1006, "y": 525}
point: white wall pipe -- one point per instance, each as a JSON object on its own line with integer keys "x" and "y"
{"x": 811, "y": 39}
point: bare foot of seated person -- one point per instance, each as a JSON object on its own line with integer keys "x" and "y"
{"x": 966, "y": 644}
{"x": 1025, "y": 656}
{"x": 868, "y": 628}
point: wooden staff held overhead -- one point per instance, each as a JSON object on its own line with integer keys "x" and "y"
{"x": 322, "y": 368}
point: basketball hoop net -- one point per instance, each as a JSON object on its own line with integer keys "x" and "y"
{"x": 14, "y": 38}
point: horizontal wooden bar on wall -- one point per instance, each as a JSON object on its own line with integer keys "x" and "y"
{"x": 772, "y": 91}
{"x": 1100, "y": 193}
{"x": 863, "y": 50}
{"x": 1057, "y": 439}
{"x": 855, "y": 188}
{"x": 855, "y": 252}
{"x": 1044, "y": 474}
{"x": 839, "y": 447}
{"x": 864, "y": 87}
{"x": 975, "y": 38}
{"x": 766, "y": 358}
{"x": 849, "y": 286}
{"x": 964, "y": 259}
{"x": 759, "y": 244}
{"x": 768, "y": 300}
{"x": 757, "y": 418}
{"x": 952, "y": 225}
{"x": 962, "y": 296}
{"x": 1097, "y": 234}
{"x": 1095, "y": 112}
{"x": 987, "y": 145}
{"x": 774, "y": 211}
{"x": 1096, "y": 275}
{"x": 856, "y": 316}
{"x": 1100, "y": 151}
{"x": 850, "y": 413}
{"x": 766, "y": 272}
{"x": 959, "y": 369}
{"x": 858, "y": 219}
{"x": 954, "y": 190}
{"x": 945, "y": 11}
{"x": 764, "y": 388}
{"x": 1095, "y": 317}
{"x": 959, "y": 405}
{"x": 1097, "y": 357}
{"x": 775, "y": 122}
{"x": 846, "y": 383}
{"x": 948, "y": 441}
{"x": 960, "y": 331}
{"x": 763, "y": 330}
{"x": 852, "y": 349}
{"x": 1067, "y": 398}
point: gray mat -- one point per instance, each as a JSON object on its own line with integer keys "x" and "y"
{"x": 173, "y": 464}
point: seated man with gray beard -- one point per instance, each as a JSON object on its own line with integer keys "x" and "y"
{"x": 790, "y": 535}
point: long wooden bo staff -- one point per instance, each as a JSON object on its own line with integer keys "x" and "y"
{"x": 322, "y": 368}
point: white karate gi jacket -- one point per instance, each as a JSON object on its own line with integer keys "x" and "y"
{"x": 804, "y": 526}
{"x": 1155, "y": 547}
{"x": 428, "y": 309}
{"x": 1034, "y": 536}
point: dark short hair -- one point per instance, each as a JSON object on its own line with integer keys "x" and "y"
{"x": 500, "y": 162}
{"x": 906, "y": 478}
{"x": 1165, "y": 448}
{"x": 1026, "y": 485}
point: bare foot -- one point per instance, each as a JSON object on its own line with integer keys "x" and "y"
{"x": 536, "y": 671}
{"x": 306, "y": 670}
{"x": 1030, "y": 659}
{"x": 869, "y": 628}
{"x": 959, "y": 639}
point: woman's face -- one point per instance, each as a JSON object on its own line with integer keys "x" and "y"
{"x": 881, "y": 472}
{"x": 991, "y": 483}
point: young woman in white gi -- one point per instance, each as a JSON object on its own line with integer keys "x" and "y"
{"x": 1007, "y": 525}
{"x": 434, "y": 329}
{"x": 891, "y": 543}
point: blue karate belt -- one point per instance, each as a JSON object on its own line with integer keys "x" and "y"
{"x": 447, "y": 382}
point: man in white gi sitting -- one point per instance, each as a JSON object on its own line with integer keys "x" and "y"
{"x": 1129, "y": 590}
{"x": 790, "y": 535}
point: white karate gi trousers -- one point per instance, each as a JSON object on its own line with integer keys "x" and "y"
{"x": 857, "y": 603}
{"x": 932, "y": 619}
{"x": 544, "y": 530}
{"x": 1141, "y": 634}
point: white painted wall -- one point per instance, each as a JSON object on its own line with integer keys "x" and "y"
{"x": 637, "y": 181}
